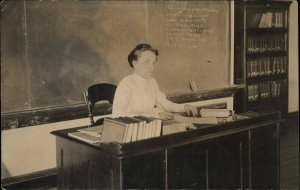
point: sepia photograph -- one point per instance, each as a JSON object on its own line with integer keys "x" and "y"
{"x": 149, "y": 94}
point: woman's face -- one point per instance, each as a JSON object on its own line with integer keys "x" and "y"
{"x": 145, "y": 63}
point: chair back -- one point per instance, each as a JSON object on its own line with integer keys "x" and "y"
{"x": 96, "y": 93}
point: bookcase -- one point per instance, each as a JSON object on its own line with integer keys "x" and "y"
{"x": 261, "y": 55}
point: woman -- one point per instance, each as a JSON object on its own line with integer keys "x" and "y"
{"x": 139, "y": 94}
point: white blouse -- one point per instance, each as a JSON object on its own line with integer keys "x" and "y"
{"x": 136, "y": 95}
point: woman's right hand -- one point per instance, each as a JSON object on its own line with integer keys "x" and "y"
{"x": 166, "y": 115}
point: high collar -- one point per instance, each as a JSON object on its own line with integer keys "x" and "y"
{"x": 139, "y": 77}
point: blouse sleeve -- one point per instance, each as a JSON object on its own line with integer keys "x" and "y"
{"x": 163, "y": 102}
{"x": 121, "y": 99}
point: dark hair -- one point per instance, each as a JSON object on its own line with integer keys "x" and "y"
{"x": 137, "y": 50}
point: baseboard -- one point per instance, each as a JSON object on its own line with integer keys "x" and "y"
{"x": 37, "y": 180}
{"x": 291, "y": 122}
{"x": 293, "y": 115}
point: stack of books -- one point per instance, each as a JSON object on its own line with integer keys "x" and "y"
{"x": 212, "y": 113}
{"x": 207, "y": 116}
{"x": 130, "y": 129}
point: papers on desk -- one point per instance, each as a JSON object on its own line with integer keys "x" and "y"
{"x": 208, "y": 116}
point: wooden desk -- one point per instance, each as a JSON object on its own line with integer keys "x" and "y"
{"x": 240, "y": 154}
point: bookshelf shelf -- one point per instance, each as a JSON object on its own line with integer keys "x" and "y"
{"x": 266, "y": 54}
{"x": 261, "y": 55}
{"x": 266, "y": 78}
{"x": 264, "y": 106}
{"x": 263, "y": 102}
{"x": 266, "y": 30}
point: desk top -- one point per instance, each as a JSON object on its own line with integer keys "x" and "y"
{"x": 202, "y": 132}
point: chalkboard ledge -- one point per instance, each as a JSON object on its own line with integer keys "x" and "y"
{"x": 41, "y": 116}
{"x": 205, "y": 94}
{"x": 29, "y": 118}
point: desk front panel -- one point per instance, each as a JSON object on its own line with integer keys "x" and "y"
{"x": 215, "y": 163}
{"x": 238, "y": 156}
{"x": 265, "y": 157}
{"x": 146, "y": 171}
{"x": 84, "y": 167}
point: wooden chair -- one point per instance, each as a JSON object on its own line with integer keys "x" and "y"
{"x": 96, "y": 93}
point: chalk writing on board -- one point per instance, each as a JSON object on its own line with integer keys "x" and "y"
{"x": 187, "y": 26}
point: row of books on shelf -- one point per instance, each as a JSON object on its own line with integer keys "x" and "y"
{"x": 266, "y": 43}
{"x": 267, "y": 20}
{"x": 264, "y": 90}
{"x": 266, "y": 66}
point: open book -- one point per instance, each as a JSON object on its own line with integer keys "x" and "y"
{"x": 85, "y": 137}
{"x": 206, "y": 112}
{"x": 172, "y": 126}
{"x": 94, "y": 131}
{"x": 196, "y": 120}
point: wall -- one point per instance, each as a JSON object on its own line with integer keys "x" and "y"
{"x": 31, "y": 149}
{"x": 294, "y": 59}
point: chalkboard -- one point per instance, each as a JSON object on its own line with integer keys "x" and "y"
{"x": 193, "y": 41}
{"x": 53, "y": 50}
